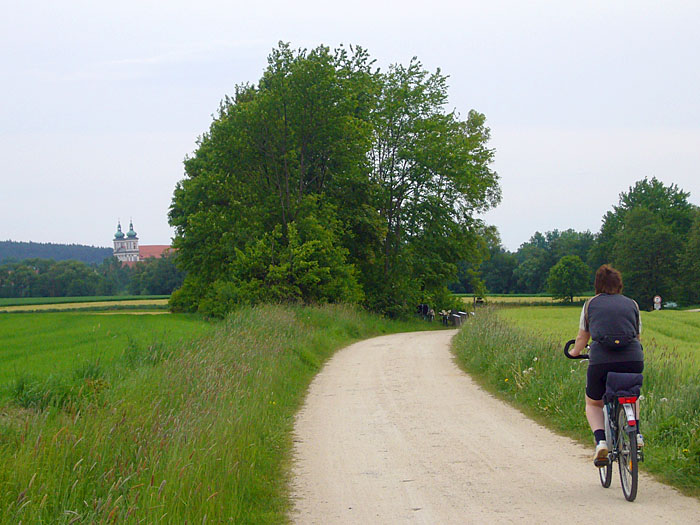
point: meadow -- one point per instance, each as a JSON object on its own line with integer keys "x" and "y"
{"x": 190, "y": 430}
{"x": 521, "y": 299}
{"x": 675, "y": 330}
{"x": 517, "y": 353}
{"x": 34, "y": 346}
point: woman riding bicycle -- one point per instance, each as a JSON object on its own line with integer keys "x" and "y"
{"x": 613, "y": 322}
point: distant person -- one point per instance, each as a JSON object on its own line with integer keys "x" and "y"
{"x": 614, "y": 324}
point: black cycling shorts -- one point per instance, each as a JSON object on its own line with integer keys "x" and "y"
{"x": 597, "y": 374}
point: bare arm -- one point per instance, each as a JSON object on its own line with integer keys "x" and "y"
{"x": 581, "y": 341}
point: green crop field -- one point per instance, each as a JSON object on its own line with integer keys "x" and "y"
{"x": 43, "y": 344}
{"x": 669, "y": 329}
{"x": 20, "y": 301}
{"x": 517, "y": 353}
{"x": 520, "y": 299}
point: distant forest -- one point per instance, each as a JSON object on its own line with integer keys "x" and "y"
{"x": 19, "y": 251}
{"x": 652, "y": 236}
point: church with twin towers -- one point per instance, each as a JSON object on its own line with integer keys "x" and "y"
{"x": 128, "y": 250}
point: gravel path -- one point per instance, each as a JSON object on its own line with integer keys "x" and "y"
{"x": 393, "y": 432}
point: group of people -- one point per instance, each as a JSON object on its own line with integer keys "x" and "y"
{"x": 426, "y": 312}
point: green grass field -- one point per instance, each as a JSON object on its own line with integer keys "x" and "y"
{"x": 673, "y": 330}
{"x": 44, "y": 344}
{"x": 189, "y": 426}
{"x": 517, "y": 353}
{"x": 520, "y": 299}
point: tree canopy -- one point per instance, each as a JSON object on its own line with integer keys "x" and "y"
{"x": 569, "y": 277}
{"x": 331, "y": 180}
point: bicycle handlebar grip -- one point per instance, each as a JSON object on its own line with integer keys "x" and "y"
{"x": 568, "y": 345}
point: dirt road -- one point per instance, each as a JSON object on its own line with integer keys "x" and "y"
{"x": 392, "y": 431}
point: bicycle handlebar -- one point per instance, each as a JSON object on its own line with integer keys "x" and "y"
{"x": 567, "y": 354}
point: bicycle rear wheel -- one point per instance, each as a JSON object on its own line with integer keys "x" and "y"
{"x": 605, "y": 474}
{"x": 627, "y": 456}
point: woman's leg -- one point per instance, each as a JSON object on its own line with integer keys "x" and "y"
{"x": 594, "y": 414}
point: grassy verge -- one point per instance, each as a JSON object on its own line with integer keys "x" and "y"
{"x": 187, "y": 433}
{"x": 529, "y": 370}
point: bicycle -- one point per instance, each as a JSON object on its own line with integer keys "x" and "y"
{"x": 621, "y": 428}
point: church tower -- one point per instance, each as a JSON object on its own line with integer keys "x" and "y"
{"x": 126, "y": 247}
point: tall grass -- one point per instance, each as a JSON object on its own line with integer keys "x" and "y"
{"x": 530, "y": 370}
{"x": 187, "y": 434}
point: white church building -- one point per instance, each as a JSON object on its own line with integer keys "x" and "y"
{"x": 127, "y": 249}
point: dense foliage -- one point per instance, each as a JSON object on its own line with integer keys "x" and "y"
{"x": 49, "y": 278}
{"x": 652, "y": 236}
{"x": 332, "y": 181}
{"x": 567, "y": 278}
{"x": 14, "y": 251}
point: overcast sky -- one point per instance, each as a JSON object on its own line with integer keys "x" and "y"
{"x": 101, "y": 101}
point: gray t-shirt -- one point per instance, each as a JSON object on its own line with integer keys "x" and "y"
{"x": 610, "y": 313}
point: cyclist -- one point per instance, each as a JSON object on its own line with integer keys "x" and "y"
{"x": 613, "y": 322}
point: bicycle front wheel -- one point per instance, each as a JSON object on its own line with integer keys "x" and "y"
{"x": 627, "y": 456}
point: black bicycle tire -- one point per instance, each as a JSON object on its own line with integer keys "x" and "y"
{"x": 629, "y": 467}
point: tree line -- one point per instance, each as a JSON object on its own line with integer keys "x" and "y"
{"x": 652, "y": 235}
{"x": 50, "y": 278}
{"x": 14, "y": 251}
{"x": 331, "y": 180}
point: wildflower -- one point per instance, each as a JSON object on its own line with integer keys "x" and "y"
{"x": 686, "y": 450}
{"x": 535, "y": 358}
{"x": 506, "y": 379}
{"x": 663, "y": 400}
{"x": 641, "y": 398}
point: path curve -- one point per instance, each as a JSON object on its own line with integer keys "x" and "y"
{"x": 393, "y": 431}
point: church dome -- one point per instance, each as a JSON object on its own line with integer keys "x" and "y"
{"x": 120, "y": 233}
{"x": 131, "y": 233}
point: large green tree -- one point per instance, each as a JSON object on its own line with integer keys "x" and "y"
{"x": 669, "y": 203}
{"x": 432, "y": 173}
{"x": 687, "y": 286}
{"x": 646, "y": 252}
{"x": 568, "y": 278}
{"x": 276, "y": 155}
{"x": 362, "y": 175}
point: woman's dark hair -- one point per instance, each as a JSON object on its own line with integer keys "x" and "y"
{"x": 608, "y": 280}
